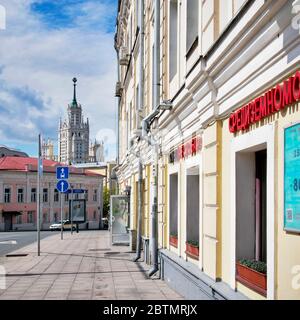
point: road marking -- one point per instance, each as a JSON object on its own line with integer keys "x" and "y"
{"x": 9, "y": 242}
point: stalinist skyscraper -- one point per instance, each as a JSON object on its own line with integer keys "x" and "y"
{"x": 73, "y": 136}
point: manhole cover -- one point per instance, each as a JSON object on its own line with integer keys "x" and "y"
{"x": 17, "y": 255}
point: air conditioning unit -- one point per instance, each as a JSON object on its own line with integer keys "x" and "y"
{"x": 119, "y": 89}
{"x": 124, "y": 56}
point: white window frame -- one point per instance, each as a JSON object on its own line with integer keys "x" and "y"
{"x": 264, "y": 135}
{"x": 196, "y": 161}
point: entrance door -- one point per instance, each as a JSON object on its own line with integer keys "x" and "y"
{"x": 119, "y": 219}
{"x": 8, "y": 222}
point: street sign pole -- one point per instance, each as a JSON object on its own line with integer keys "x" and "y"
{"x": 61, "y": 217}
{"x": 71, "y": 209}
{"x": 38, "y": 189}
{"x": 62, "y": 175}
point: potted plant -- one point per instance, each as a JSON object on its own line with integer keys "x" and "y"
{"x": 253, "y": 274}
{"x": 192, "y": 249}
{"x": 173, "y": 239}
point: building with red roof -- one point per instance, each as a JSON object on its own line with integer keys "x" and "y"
{"x": 18, "y": 194}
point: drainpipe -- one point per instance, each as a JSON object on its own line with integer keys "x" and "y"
{"x": 119, "y": 101}
{"x": 140, "y": 209}
{"x": 138, "y": 113}
{"x": 156, "y": 88}
{"x": 118, "y": 113}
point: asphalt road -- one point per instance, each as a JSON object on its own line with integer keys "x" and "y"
{"x": 10, "y": 241}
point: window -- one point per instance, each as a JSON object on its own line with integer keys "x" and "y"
{"x": 30, "y": 217}
{"x": 56, "y": 195}
{"x": 45, "y": 217}
{"x": 173, "y": 205}
{"x": 33, "y": 194}
{"x": 192, "y": 23}
{"x": 127, "y": 128}
{"x": 19, "y": 219}
{"x": 251, "y": 207}
{"x": 95, "y": 215}
{"x": 45, "y": 195}
{"x": 136, "y": 13}
{"x": 95, "y": 195}
{"x": 86, "y": 195}
{"x": 173, "y": 38}
{"x": 55, "y": 217}
{"x": 20, "y": 195}
{"x": 7, "y": 195}
{"x": 192, "y": 207}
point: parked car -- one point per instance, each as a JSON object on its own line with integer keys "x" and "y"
{"x": 66, "y": 225}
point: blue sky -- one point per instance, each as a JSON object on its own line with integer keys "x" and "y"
{"x": 46, "y": 43}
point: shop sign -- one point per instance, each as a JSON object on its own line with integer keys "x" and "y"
{"x": 271, "y": 102}
{"x": 183, "y": 151}
{"x": 292, "y": 178}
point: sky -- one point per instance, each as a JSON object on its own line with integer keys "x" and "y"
{"x": 44, "y": 45}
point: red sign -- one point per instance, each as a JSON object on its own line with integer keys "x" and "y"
{"x": 189, "y": 148}
{"x": 272, "y": 101}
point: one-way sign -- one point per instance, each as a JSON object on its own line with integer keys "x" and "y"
{"x": 62, "y": 173}
{"x": 62, "y": 186}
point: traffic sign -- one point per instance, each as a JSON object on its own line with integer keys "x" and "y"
{"x": 76, "y": 191}
{"x": 62, "y": 186}
{"x": 62, "y": 173}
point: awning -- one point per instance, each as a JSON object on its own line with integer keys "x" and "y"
{"x": 16, "y": 213}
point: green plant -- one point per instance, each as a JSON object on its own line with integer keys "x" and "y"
{"x": 174, "y": 234}
{"x": 258, "y": 266}
{"x": 106, "y": 202}
{"x": 193, "y": 243}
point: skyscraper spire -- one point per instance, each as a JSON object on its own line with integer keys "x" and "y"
{"x": 74, "y": 103}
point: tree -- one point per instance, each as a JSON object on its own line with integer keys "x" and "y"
{"x": 106, "y": 202}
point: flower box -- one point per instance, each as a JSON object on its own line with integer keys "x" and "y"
{"x": 252, "y": 279}
{"x": 173, "y": 241}
{"x": 192, "y": 251}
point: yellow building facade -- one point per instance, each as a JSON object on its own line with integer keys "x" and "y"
{"x": 205, "y": 105}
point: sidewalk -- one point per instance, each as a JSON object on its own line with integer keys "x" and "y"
{"x": 82, "y": 266}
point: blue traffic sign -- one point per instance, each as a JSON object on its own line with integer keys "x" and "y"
{"x": 62, "y": 173}
{"x": 62, "y": 186}
{"x": 76, "y": 191}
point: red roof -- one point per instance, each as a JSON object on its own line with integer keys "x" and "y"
{"x": 28, "y": 164}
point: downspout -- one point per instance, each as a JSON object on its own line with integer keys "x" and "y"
{"x": 138, "y": 115}
{"x": 118, "y": 111}
{"x": 156, "y": 88}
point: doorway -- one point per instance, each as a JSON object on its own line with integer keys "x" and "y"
{"x": 8, "y": 222}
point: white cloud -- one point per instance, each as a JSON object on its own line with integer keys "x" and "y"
{"x": 38, "y": 64}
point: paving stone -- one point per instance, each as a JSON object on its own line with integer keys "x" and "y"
{"x": 71, "y": 271}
